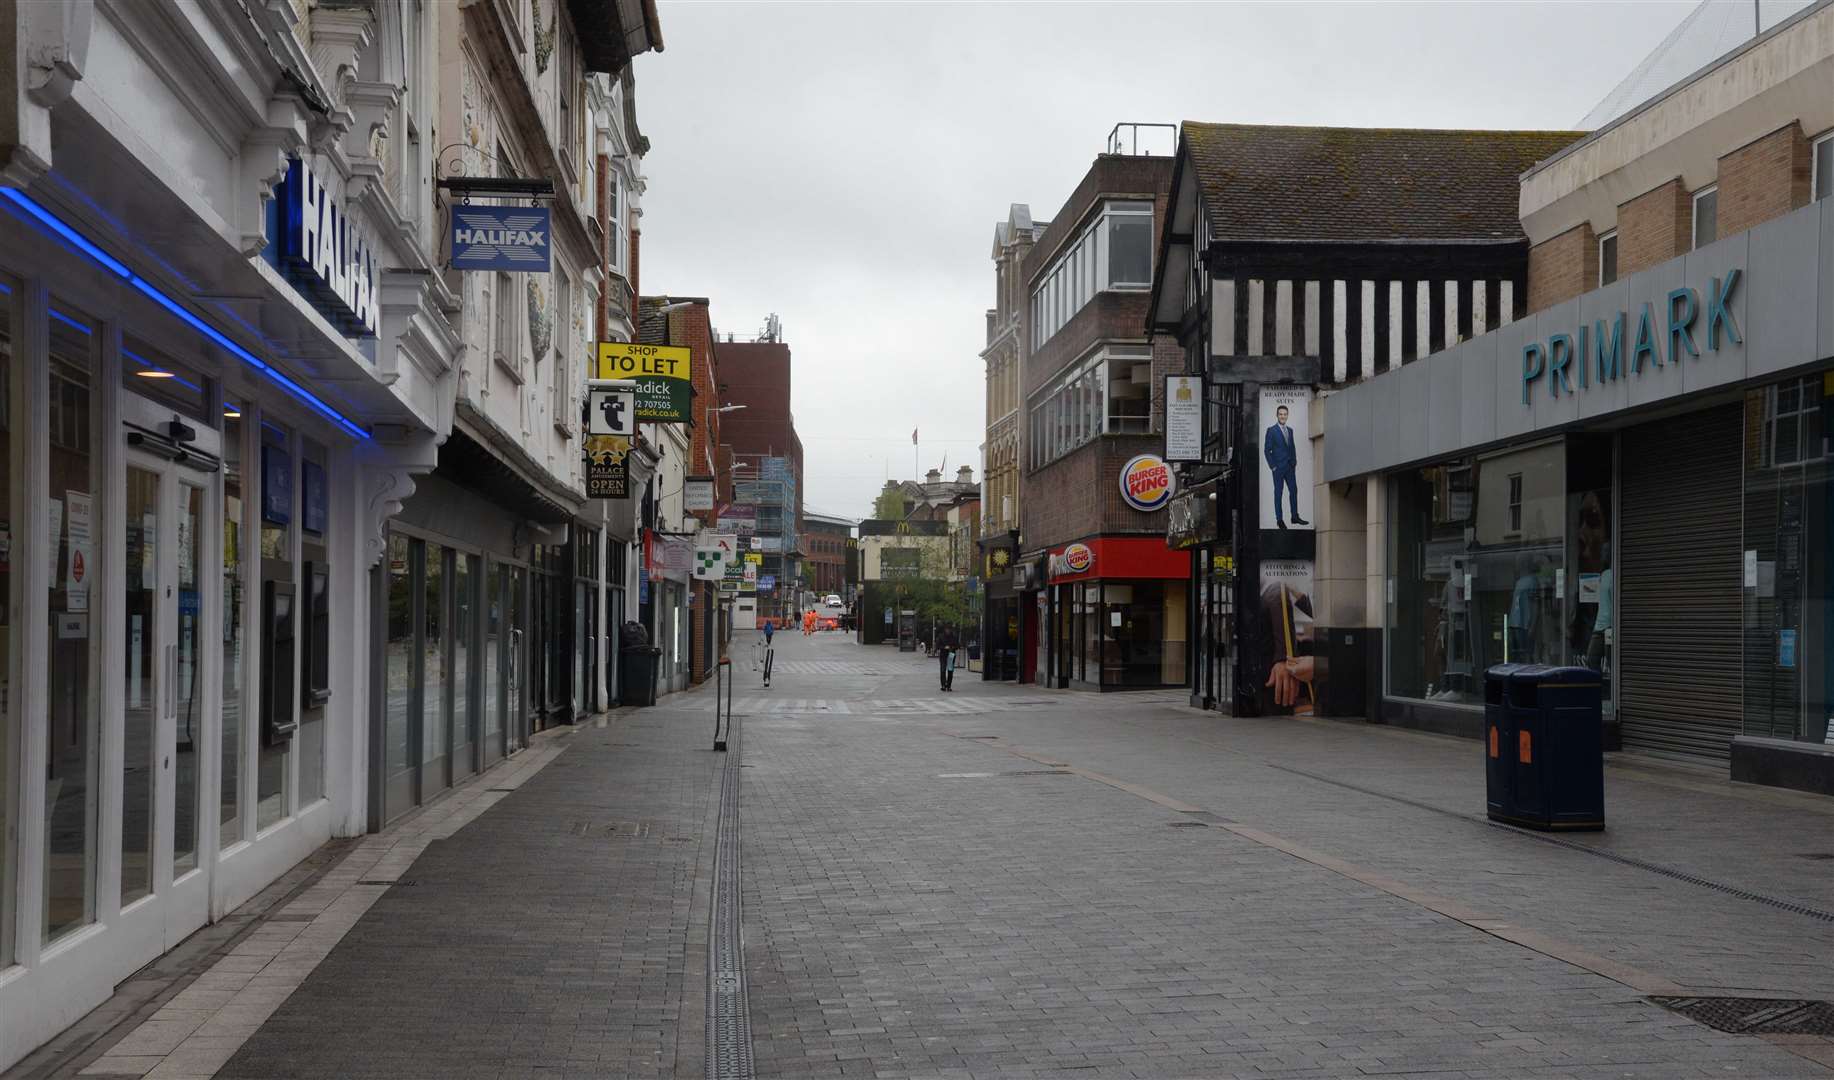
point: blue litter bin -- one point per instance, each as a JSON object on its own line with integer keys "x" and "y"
{"x": 1544, "y": 762}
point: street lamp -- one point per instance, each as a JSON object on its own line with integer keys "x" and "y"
{"x": 729, "y": 408}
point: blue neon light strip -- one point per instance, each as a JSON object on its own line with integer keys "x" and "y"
{"x": 81, "y": 328}
{"x": 150, "y": 366}
{"x": 152, "y": 292}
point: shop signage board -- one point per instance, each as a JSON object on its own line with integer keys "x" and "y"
{"x": 662, "y": 374}
{"x": 1184, "y": 418}
{"x": 713, "y": 554}
{"x": 740, "y": 519}
{"x": 607, "y": 467}
{"x": 767, "y": 582}
{"x": 1285, "y": 469}
{"x": 697, "y": 494}
{"x": 612, "y": 411}
{"x": 1147, "y": 483}
{"x": 1286, "y": 604}
{"x": 513, "y": 238}
{"x": 325, "y": 254}
{"x": 1187, "y": 519}
{"x": 1604, "y": 352}
{"x": 900, "y": 564}
{"x": 1074, "y": 559}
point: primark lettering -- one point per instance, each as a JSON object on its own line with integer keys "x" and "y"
{"x": 1595, "y": 355}
{"x": 326, "y": 253}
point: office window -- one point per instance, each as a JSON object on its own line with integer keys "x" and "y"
{"x": 1114, "y": 251}
{"x": 1706, "y": 216}
{"x": 1607, "y": 258}
{"x": 1515, "y": 502}
{"x": 1130, "y": 245}
{"x": 1822, "y": 154}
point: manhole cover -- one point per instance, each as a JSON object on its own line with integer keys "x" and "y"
{"x": 1756, "y": 1016}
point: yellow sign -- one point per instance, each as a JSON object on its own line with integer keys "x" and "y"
{"x": 755, "y": 558}
{"x": 665, "y": 388}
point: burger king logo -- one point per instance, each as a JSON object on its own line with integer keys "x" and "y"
{"x": 1146, "y": 482}
{"x": 1077, "y": 558}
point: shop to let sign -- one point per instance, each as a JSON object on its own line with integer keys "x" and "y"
{"x": 662, "y": 374}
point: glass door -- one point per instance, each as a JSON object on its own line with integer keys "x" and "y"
{"x": 163, "y": 722}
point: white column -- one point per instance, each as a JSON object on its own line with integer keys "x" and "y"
{"x": 1396, "y": 324}
{"x": 1311, "y": 318}
{"x": 1257, "y": 295}
{"x": 1340, "y": 299}
{"x": 1480, "y": 308}
{"x": 1423, "y": 318}
{"x": 1222, "y": 318}
{"x": 1451, "y": 288}
{"x": 1283, "y": 318}
{"x": 1506, "y": 298}
{"x": 1366, "y": 346}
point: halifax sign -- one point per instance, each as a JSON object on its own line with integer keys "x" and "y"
{"x": 513, "y": 238}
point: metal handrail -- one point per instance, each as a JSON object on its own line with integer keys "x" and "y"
{"x": 1115, "y": 136}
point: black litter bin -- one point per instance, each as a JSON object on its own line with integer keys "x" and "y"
{"x": 637, "y": 674}
{"x": 1544, "y": 766}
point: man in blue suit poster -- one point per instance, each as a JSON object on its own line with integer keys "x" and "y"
{"x": 1282, "y": 453}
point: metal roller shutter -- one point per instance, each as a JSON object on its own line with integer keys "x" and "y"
{"x": 1679, "y": 584}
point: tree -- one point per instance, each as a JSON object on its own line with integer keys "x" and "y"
{"x": 889, "y": 505}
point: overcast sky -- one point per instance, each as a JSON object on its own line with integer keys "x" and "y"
{"x": 843, "y": 164}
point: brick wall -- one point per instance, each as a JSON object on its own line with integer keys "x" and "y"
{"x": 1563, "y": 267}
{"x": 1654, "y": 227}
{"x": 1763, "y": 179}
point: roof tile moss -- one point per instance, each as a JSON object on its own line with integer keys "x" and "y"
{"x": 1350, "y": 185}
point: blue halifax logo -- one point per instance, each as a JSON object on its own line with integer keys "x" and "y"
{"x": 511, "y": 238}
{"x": 1598, "y": 357}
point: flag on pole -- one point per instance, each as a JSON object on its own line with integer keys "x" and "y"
{"x": 913, "y": 436}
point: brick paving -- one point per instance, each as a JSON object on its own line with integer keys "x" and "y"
{"x": 1003, "y": 881}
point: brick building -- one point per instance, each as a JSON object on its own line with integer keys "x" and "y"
{"x": 1103, "y": 605}
{"x": 1637, "y": 475}
{"x": 1003, "y": 359}
{"x": 768, "y": 464}
{"x": 824, "y": 543}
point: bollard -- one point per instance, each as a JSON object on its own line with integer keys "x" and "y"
{"x": 721, "y": 682}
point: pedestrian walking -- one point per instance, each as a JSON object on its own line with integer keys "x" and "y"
{"x": 770, "y": 630}
{"x": 946, "y": 645}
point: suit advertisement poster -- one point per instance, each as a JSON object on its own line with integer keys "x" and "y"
{"x": 1295, "y": 670}
{"x": 1285, "y": 468}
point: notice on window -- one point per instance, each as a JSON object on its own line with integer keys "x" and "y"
{"x": 81, "y": 566}
{"x": 57, "y": 538}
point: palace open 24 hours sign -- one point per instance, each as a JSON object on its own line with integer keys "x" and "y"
{"x": 1146, "y": 482}
{"x": 664, "y": 381}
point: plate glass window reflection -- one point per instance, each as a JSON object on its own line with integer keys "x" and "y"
{"x": 1788, "y": 603}
{"x": 72, "y": 744}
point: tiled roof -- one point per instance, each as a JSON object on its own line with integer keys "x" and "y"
{"x": 1359, "y": 185}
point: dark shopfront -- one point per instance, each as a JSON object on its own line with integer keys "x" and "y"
{"x": 1000, "y": 608}
{"x": 1113, "y": 615}
{"x": 1192, "y": 529}
{"x": 1662, "y": 514}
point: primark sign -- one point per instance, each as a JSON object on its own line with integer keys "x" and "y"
{"x": 1599, "y": 354}
{"x": 324, "y": 253}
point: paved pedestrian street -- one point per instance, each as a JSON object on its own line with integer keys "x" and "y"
{"x": 1006, "y": 881}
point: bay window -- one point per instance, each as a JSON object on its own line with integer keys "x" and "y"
{"x": 1113, "y": 252}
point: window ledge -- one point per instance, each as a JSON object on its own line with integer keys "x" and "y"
{"x": 515, "y": 374}
{"x": 565, "y": 429}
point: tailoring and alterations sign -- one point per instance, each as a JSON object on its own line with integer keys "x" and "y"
{"x": 664, "y": 382}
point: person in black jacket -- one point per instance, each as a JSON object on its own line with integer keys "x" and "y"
{"x": 946, "y": 644}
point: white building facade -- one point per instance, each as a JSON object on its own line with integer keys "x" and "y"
{"x": 229, "y": 356}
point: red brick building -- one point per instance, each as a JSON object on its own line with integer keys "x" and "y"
{"x": 768, "y": 463}
{"x": 1104, "y": 606}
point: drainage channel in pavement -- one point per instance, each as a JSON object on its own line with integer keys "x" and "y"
{"x": 728, "y": 1014}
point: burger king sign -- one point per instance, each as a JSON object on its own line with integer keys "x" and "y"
{"x": 1146, "y": 482}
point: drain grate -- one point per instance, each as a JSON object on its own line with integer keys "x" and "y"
{"x": 1756, "y": 1016}
{"x": 1186, "y": 825}
{"x": 1038, "y": 772}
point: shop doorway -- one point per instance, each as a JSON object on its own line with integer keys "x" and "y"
{"x": 163, "y": 718}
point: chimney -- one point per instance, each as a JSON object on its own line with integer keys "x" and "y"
{"x": 934, "y": 476}
{"x": 965, "y": 476}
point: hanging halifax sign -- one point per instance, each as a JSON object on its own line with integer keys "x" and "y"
{"x": 323, "y": 253}
{"x": 511, "y": 238}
